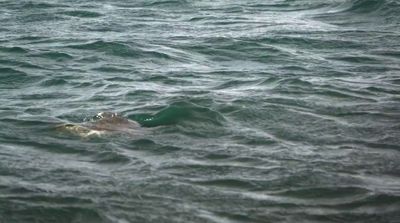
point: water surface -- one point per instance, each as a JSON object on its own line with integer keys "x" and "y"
{"x": 251, "y": 111}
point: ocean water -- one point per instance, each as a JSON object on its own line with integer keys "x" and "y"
{"x": 250, "y": 111}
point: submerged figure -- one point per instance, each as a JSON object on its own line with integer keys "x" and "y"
{"x": 102, "y": 123}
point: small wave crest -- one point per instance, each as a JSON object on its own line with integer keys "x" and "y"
{"x": 362, "y": 6}
{"x": 383, "y": 7}
{"x": 180, "y": 112}
{"x": 120, "y": 49}
{"x": 82, "y": 14}
{"x": 12, "y": 78}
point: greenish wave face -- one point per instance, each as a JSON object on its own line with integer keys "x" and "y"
{"x": 179, "y": 112}
{"x": 213, "y": 111}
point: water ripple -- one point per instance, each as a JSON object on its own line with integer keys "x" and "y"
{"x": 249, "y": 111}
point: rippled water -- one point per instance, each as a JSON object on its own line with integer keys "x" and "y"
{"x": 251, "y": 111}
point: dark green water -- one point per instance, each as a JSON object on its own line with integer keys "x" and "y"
{"x": 251, "y": 111}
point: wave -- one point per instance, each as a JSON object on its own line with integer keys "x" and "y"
{"x": 361, "y": 6}
{"x": 20, "y": 64}
{"x": 12, "y": 78}
{"x": 53, "y": 55}
{"x": 40, "y": 17}
{"x": 53, "y": 82}
{"x": 120, "y": 49}
{"x": 180, "y": 112}
{"x": 42, "y": 5}
{"x": 377, "y": 15}
{"x": 380, "y": 7}
{"x": 288, "y": 6}
{"x": 29, "y": 5}
{"x": 82, "y": 14}
{"x": 52, "y": 207}
{"x": 15, "y": 49}
{"x": 171, "y": 3}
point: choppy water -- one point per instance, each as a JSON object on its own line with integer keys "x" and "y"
{"x": 252, "y": 111}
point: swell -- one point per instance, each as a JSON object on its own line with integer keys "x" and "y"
{"x": 32, "y": 5}
{"x": 364, "y": 6}
{"x": 14, "y": 49}
{"x": 178, "y": 113}
{"x": 226, "y": 49}
{"x": 290, "y": 188}
{"x": 257, "y": 113}
{"x": 59, "y": 56}
{"x": 26, "y": 209}
{"x": 287, "y": 6}
{"x": 21, "y": 64}
{"x": 12, "y": 78}
{"x": 121, "y": 49}
{"x": 166, "y": 3}
{"x": 82, "y": 14}
{"x": 381, "y": 10}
